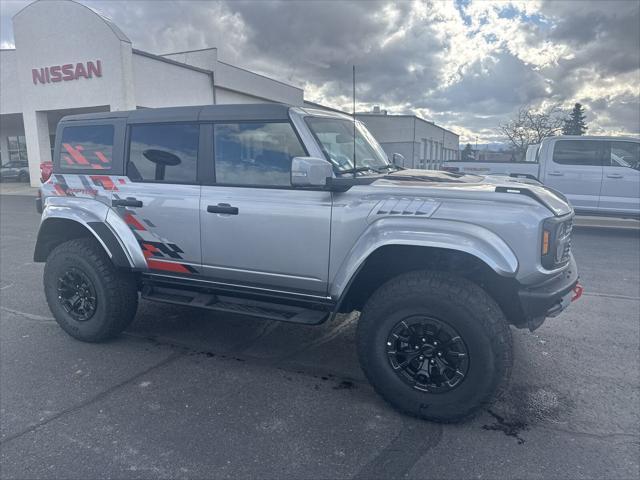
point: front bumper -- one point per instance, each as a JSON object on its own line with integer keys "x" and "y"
{"x": 551, "y": 297}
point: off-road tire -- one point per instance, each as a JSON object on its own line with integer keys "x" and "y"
{"x": 116, "y": 291}
{"x": 459, "y": 303}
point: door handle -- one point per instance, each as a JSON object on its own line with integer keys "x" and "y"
{"x": 556, "y": 174}
{"x": 223, "y": 208}
{"x": 614, "y": 175}
{"x": 126, "y": 202}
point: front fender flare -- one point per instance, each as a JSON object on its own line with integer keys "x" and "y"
{"x": 447, "y": 234}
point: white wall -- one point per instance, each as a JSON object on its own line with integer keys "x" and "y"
{"x": 9, "y": 89}
{"x": 162, "y": 84}
{"x": 205, "y": 58}
{"x": 228, "y": 96}
{"x": 57, "y": 32}
{"x": 389, "y": 128}
{"x": 422, "y": 143}
{"x": 240, "y": 80}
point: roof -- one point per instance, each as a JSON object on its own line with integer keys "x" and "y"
{"x": 247, "y": 111}
{"x": 114, "y": 28}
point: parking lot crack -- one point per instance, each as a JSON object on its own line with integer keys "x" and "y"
{"x": 90, "y": 401}
{"x": 28, "y": 316}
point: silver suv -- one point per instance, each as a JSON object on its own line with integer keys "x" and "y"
{"x": 296, "y": 215}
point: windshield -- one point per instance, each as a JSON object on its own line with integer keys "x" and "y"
{"x": 336, "y": 139}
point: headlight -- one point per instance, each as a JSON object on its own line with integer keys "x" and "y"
{"x": 556, "y": 242}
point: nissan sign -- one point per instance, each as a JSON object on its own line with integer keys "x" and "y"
{"x": 66, "y": 72}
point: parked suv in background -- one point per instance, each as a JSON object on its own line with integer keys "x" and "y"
{"x": 15, "y": 170}
{"x": 263, "y": 210}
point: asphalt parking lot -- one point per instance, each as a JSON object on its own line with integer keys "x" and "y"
{"x": 193, "y": 394}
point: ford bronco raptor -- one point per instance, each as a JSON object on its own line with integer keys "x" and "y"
{"x": 296, "y": 214}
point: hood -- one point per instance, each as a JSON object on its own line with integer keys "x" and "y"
{"x": 553, "y": 200}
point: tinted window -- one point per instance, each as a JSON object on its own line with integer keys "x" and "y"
{"x": 579, "y": 152}
{"x": 163, "y": 153}
{"x": 625, "y": 154}
{"x": 89, "y": 147}
{"x": 255, "y": 153}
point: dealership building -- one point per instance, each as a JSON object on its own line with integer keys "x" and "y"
{"x": 93, "y": 67}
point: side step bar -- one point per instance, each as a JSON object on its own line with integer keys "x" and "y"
{"x": 240, "y": 306}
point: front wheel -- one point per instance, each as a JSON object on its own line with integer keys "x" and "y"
{"x": 89, "y": 298}
{"x": 434, "y": 346}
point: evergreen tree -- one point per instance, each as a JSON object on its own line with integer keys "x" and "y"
{"x": 467, "y": 153}
{"x": 575, "y": 124}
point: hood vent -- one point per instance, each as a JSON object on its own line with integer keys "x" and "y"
{"x": 406, "y": 206}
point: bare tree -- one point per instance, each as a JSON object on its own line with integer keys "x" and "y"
{"x": 529, "y": 127}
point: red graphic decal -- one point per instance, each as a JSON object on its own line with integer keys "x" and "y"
{"x": 59, "y": 190}
{"x": 149, "y": 250}
{"x": 167, "y": 266}
{"x": 77, "y": 156}
{"x": 132, "y": 222}
{"x": 122, "y": 181}
{"x": 67, "y": 159}
{"x": 104, "y": 181}
{"x": 101, "y": 157}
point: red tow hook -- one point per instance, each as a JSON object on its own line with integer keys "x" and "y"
{"x": 577, "y": 292}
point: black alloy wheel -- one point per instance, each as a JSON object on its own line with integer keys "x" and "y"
{"x": 77, "y": 294}
{"x": 427, "y": 354}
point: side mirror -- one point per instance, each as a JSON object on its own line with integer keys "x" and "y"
{"x": 397, "y": 158}
{"x": 310, "y": 172}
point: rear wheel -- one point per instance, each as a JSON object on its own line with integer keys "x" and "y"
{"x": 434, "y": 346}
{"x": 89, "y": 298}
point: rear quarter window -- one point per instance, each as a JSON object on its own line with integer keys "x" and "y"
{"x": 87, "y": 147}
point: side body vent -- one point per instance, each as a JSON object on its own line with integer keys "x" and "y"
{"x": 405, "y": 206}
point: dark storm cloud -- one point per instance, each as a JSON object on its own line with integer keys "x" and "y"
{"x": 467, "y": 65}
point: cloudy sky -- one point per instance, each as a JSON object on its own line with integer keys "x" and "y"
{"x": 465, "y": 64}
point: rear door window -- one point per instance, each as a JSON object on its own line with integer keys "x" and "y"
{"x": 88, "y": 147}
{"x": 163, "y": 153}
{"x": 579, "y": 152}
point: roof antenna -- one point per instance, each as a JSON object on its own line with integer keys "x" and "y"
{"x": 355, "y": 170}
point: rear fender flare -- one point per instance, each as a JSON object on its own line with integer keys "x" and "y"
{"x": 90, "y": 215}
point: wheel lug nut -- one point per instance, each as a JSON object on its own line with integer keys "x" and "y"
{"x": 432, "y": 362}
{"x": 435, "y": 343}
{"x": 421, "y": 357}
{"x": 439, "y": 354}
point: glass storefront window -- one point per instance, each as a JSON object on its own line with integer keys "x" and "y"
{"x": 17, "y": 148}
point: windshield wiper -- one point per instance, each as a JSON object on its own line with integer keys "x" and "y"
{"x": 359, "y": 169}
